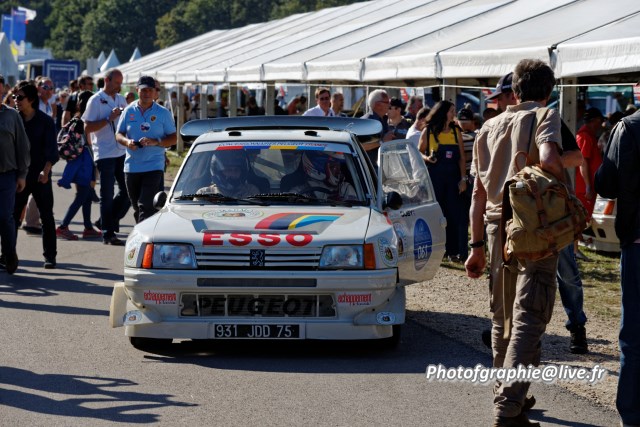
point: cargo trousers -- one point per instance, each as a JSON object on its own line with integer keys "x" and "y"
{"x": 534, "y": 296}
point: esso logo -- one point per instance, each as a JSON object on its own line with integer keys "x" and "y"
{"x": 240, "y": 239}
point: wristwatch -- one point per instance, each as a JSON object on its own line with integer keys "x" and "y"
{"x": 478, "y": 244}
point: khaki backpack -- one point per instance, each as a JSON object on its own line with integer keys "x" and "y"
{"x": 540, "y": 215}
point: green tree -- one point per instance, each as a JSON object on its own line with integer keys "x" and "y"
{"x": 66, "y": 21}
{"x": 190, "y": 18}
{"x": 122, "y": 25}
{"x": 284, "y": 8}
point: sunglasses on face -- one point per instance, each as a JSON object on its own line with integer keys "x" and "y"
{"x": 47, "y": 87}
{"x": 19, "y": 97}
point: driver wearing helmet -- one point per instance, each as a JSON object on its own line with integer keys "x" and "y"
{"x": 229, "y": 173}
{"x": 324, "y": 177}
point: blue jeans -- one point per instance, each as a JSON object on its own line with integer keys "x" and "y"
{"x": 628, "y": 399}
{"x": 112, "y": 209}
{"x": 82, "y": 200}
{"x": 570, "y": 287}
{"x": 7, "y": 202}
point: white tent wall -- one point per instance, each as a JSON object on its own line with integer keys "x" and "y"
{"x": 347, "y": 41}
{"x": 420, "y": 56}
{"x": 323, "y": 29}
{"x": 533, "y": 37}
{"x": 615, "y": 46}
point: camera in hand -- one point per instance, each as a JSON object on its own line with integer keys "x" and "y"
{"x": 138, "y": 143}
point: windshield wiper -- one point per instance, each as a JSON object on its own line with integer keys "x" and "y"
{"x": 299, "y": 197}
{"x": 217, "y": 197}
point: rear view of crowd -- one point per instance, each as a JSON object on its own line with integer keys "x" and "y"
{"x": 89, "y": 131}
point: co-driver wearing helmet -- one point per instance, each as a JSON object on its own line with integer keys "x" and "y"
{"x": 324, "y": 177}
{"x": 229, "y": 173}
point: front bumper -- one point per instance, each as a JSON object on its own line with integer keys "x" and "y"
{"x": 365, "y": 304}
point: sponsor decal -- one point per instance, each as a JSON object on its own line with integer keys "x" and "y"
{"x": 144, "y": 127}
{"x": 422, "y": 243}
{"x": 233, "y": 213}
{"x": 132, "y": 249}
{"x": 407, "y": 213}
{"x": 291, "y": 221}
{"x": 153, "y": 119}
{"x": 160, "y": 298}
{"x": 387, "y": 252}
{"x": 211, "y": 238}
{"x": 354, "y": 299}
{"x": 386, "y": 318}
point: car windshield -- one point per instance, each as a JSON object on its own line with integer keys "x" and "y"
{"x": 282, "y": 172}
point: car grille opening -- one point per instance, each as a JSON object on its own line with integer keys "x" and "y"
{"x": 278, "y": 259}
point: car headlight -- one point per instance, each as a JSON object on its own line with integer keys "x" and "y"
{"x": 604, "y": 206}
{"x": 341, "y": 256}
{"x": 169, "y": 256}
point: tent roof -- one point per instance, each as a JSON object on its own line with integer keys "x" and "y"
{"x": 611, "y": 47}
{"x": 498, "y": 52}
{"x": 393, "y": 40}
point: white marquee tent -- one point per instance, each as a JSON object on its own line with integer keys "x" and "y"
{"x": 386, "y": 41}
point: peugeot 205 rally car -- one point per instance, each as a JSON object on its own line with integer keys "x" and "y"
{"x": 316, "y": 244}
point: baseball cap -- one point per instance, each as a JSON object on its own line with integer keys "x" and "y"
{"x": 146, "y": 81}
{"x": 465, "y": 114}
{"x": 503, "y": 86}
{"x": 592, "y": 113}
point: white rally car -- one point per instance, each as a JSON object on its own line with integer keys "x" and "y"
{"x": 280, "y": 228}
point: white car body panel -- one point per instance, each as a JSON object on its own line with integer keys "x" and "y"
{"x": 259, "y": 265}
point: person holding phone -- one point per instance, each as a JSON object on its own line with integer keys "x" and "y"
{"x": 146, "y": 129}
{"x": 100, "y": 118}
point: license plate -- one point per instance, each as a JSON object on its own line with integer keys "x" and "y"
{"x": 253, "y": 331}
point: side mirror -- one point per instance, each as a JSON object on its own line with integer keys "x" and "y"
{"x": 159, "y": 200}
{"x": 392, "y": 200}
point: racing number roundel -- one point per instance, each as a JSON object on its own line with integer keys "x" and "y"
{"x": 422, "y": 243}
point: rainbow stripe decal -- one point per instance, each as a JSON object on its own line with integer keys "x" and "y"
{"x": 290, "y": 221}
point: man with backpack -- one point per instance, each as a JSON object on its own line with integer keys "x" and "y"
{"x": 494, "y": 161}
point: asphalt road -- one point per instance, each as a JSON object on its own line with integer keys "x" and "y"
{"x": 61, "y": 364}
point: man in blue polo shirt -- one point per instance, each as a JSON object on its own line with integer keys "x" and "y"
{"x": 146, "y": 129}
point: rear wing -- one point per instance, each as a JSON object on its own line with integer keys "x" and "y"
{"x": 364, "y": 129}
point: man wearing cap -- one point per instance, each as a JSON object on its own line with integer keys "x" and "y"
{"x": 323, "y": 104}
{"x": 518, "y": 324}
{"x": 503, "y": 95}
{"x": 396, "y": 121}
{"x": 587, "y": 139}
{"x": 145, "y": 129}
{"x": 100, "y": 117}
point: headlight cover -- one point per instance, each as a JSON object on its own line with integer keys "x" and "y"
{"x": 173, "y": 256}
{"x": 336, "y": 257}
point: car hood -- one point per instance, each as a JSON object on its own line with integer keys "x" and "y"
{"x": 219, "y": 225}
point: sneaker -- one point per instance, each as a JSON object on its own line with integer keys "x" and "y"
{"x": 520, "y": 421}
{"x": 50, "y": 263}
{"x": 32, "y": 231}
{"x": 9, "y": 263}
{"x": 91, "y": 233}
{"x": 114, "y": 241}
{"x": 94, "y": 196}
{"x": 65, "y": 233}
{"x": 579, "y": 341}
